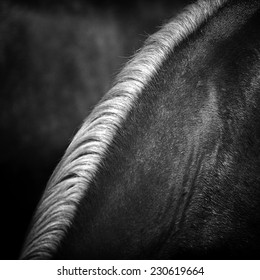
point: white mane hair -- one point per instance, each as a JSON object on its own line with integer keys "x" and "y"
{"x": 72, "y": 177}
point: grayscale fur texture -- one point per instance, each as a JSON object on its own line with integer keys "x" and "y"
{"x": 71, "y": 179}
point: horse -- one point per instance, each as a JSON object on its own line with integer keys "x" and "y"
{"x": 167, "y": 165}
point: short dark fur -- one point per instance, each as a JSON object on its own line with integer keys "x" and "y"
{"x": 182, "y": 177}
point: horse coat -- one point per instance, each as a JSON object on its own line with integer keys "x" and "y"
{"x": 167, "y": 165}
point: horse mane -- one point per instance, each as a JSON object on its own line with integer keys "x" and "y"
{"x": 78, "y": 167}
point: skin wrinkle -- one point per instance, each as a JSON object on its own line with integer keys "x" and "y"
{"x": 210, "y": 123}
{"x": 208, "y": 118}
